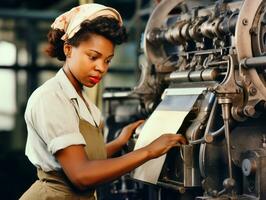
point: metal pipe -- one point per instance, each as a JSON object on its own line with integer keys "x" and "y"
{"x": 210, "y": 74}
{"x": 256, "y": 62}
{"x": 182, "y": 76}
{"x": 194, "y": 76}
{"x": 226, "y": 110}
{"x": 208, "y": 135}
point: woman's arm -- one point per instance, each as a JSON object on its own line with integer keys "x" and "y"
{"x": 113, "y": 147}
{"x": 83, "y": 172}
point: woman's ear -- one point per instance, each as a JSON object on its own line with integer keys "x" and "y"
{"x": 67, "y": 50}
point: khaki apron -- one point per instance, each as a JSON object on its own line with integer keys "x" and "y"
{"x": 55, "y": 185}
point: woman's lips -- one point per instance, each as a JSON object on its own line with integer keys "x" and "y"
{"x": 94, "y": 79}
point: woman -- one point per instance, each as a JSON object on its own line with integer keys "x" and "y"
{"x": 64, "y": 141}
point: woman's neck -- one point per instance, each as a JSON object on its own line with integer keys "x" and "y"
{"x": 74, "y": 81}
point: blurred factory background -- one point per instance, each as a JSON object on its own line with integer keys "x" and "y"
{"x": 24, "y": 66}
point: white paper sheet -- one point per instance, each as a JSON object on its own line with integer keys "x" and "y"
{"x": 167, "y": 118}
{"x": 160, "y": 122}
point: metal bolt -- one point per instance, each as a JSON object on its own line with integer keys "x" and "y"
{"x": 249, "y": 111}
{"x": 229, "y": 183}
{"x": 245, "y": 21}
{"x": 252, "y": 91}
{"x": 208, "y": 138}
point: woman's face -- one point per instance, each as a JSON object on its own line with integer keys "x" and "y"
{"x": 90, "y": 60}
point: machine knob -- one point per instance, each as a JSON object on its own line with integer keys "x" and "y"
{"x": 229, "y": 183}
{"x": 248, "y": 166}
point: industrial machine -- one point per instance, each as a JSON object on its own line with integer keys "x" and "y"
{"x": 220, "y": 47}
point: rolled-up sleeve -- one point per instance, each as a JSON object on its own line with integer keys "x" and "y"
{"x": 56, "y": 122}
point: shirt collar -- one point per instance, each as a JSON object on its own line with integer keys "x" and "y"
{"x": 72, "y": 94}
{"x": 66, "y": 85}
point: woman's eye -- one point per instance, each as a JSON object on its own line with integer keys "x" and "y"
{"x": 92, "y": 57}
{"x": 108, "y": 61}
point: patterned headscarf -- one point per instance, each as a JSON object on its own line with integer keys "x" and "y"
{"x": 70, "y": 21}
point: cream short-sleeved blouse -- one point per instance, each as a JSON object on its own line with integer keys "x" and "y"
{"x": 52, "y": 121}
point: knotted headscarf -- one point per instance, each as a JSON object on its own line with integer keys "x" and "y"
{"x": 70, "y": 21}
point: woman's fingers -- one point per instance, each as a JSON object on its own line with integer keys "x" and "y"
{"x": 135, "y": 124}
{"x": 181, "y": 139}
{"x": 178, "y": 139}
{"x": 164, "y": 143}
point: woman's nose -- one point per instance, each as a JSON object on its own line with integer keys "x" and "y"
{"x": 101, "y": 67}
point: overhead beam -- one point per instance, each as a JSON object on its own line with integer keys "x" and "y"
{"x": 28, "y": 14}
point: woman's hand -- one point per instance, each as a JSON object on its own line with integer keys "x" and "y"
{"x": 127, "y": 131}
{"x": 163, "y": 144}
{"x": 116, "y": 145}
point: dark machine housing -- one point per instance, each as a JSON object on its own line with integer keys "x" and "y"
{"x": 220, "y": 47}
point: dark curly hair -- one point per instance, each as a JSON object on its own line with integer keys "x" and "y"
{"x": 105, "y": 26}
